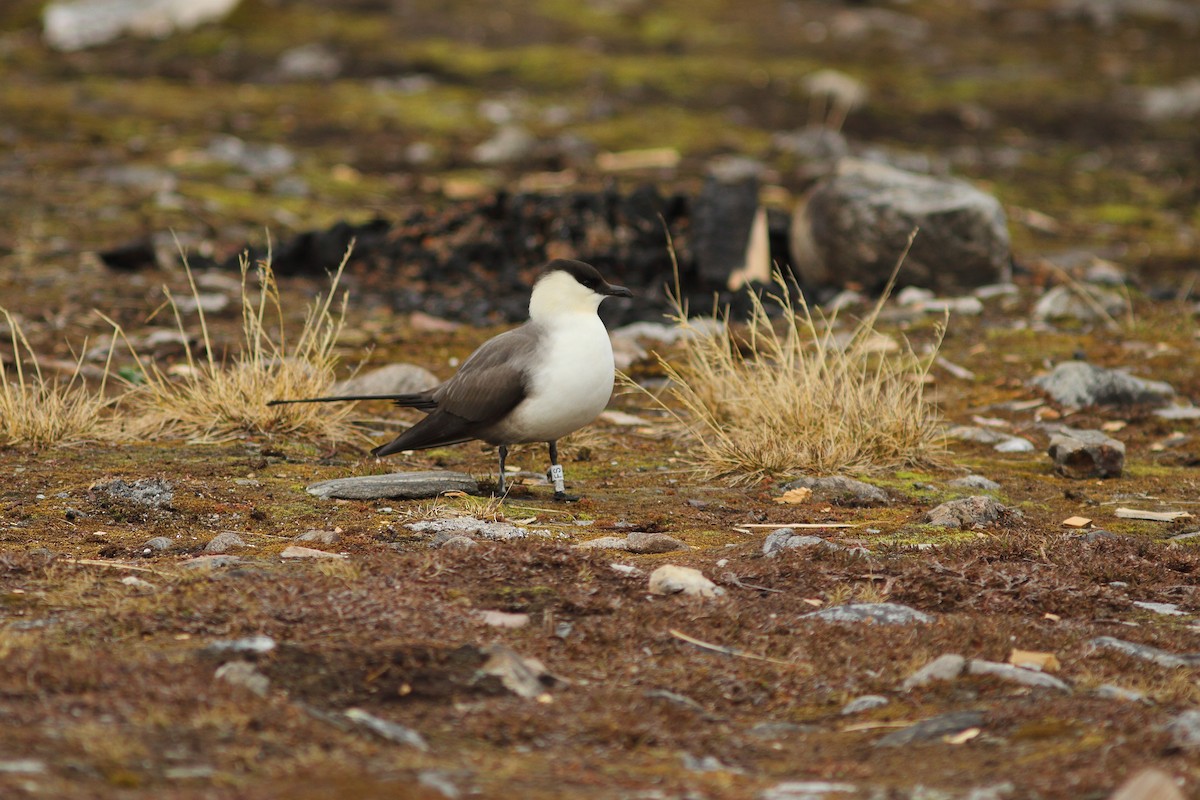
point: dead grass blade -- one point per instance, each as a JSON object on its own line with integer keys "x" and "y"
{"x": 217, "y": 400}
{"x": 42, "y": 412}
{"x": 776, "y": 400}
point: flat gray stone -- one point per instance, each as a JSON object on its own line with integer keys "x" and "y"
{"x": 384, "y": 729}
{"x": 391, "y": 379}
{"x": 1064, "y": 302}
{"x": 470, "y": 526}
{"x": 1185, "y": 729}
{"x": 1111, "y": 691}
{"x": 158, "y": 543}
{"x": 864, "y": 703}
{"x": 1008, "y": 672}
{"x": 840, "y": 490}
{"x": 458, "y": 542}
{"x": 604, "y": 543}
{"x": 1013, "y": 444}
{"x": 1146, "y": 653}
{"x": 224, "y": 541}
{"x": 806, "y": 790}
{"x": 785, "y": 538}
{"x": 875, "y": 613}
{"x": 968, "y": 512}
{"x": 395, "y": 486}
{"x": 933, "y": 728}
{"x": 643, "y": 542}
{"x": 1086, "y": 454}
{"x": 945, "y": 667}
{"x": 319, "y": 537}
{"x": 245, "y": 675}
{"x": 152, "y": 492}
{"x": 248, "y": 645}
{"x": 1078, "y": 383}
{"x": 975, "y": 482}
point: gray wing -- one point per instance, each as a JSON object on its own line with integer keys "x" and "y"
{"x": 489, "y": 384}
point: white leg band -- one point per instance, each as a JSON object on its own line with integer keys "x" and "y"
{"x": 556, "y": 475}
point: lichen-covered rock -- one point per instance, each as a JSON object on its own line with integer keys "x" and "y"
{"x": 853, "y": 226}
{"x": 968, "y": 512}
{"x": 1078, "y": 383}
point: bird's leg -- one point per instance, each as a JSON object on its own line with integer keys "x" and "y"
{"x": 500, "y": 480}
{"x": 556, "y": 476}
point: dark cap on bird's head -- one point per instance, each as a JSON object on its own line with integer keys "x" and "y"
{"x": 586, "y": 275}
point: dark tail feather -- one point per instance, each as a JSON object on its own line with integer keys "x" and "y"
{"x": 420, "y": 400}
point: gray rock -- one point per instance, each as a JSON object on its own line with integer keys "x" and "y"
{"x": 391, "y": 731}
{"x": 22, "y": 766}
{"x": 876, "y": 613}
{"x": 72, "y": 25}
{"x": 605, "y": 543}
{"x": 439, "y": 782}
{"x": 158, "y": 544}
{"x": 312, "y": 61}
{"x": 1008, "y": 672}
{"x": 971, "y": 433}
{"x": 840, "y": 490}
{"x": 853, "y": 226}
{"x": 508, "y": 145}
{"x": 784, "y": 538}
{"x": 470, "y": 526}
{"x": 224, "y": 542}
{"x": 459, "y": 542}
{"x": 864, "y": 703}
{"x": 1185, "y": 729}
{"x": 1078, "y": 383}
{"x": 248, "y": 645}
{"x": 968, "y": 512}
{"x": 244, "y": 674}
{"x": 1112, "y": 692}
{"x": 152, "y": 492}
{"x": 395, "y": 486}
{"x": 779, "y": 730}
{"x": 1086, "y": 454}
{"x": 997, "y": 791}
{"x": 297, "y": 552}
{"x": 1013, "y": 444}
{"x": 1063, "y": 302}
{"x": 975, "y": 482}
{"x": 933, "y": 728}
{"x": 256, "y": 159}
{"x": 943, "y": 668}
{"x": 391, "y": 379}
{"x": 214, "y": 561}
{"x": 319, "y": 537}
{"x": 1166, "y": 609}
{"x": 641, "y": 542}
{"x": 1181, "y": 101}
{"x": 1146, "y": 653}
{"x": 1179, "y": 412}
{"x": 805, "y": 790}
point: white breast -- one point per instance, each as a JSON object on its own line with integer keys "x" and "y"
{"x": 571, "y": 383}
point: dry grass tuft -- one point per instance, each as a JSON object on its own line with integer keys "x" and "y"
{"x": 41, "y": 412}
{"x": 794, "y": 399}
{"x": 217, "y": 400}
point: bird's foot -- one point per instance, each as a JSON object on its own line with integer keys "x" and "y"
{"x": 563, "y": 497}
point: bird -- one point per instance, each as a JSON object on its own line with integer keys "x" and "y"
{"x": 538, "y": 382}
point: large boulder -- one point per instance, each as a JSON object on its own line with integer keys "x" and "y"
{"x": 852, "y": 227}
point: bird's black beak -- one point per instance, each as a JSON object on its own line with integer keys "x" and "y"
{"x": 616, "y": 291}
